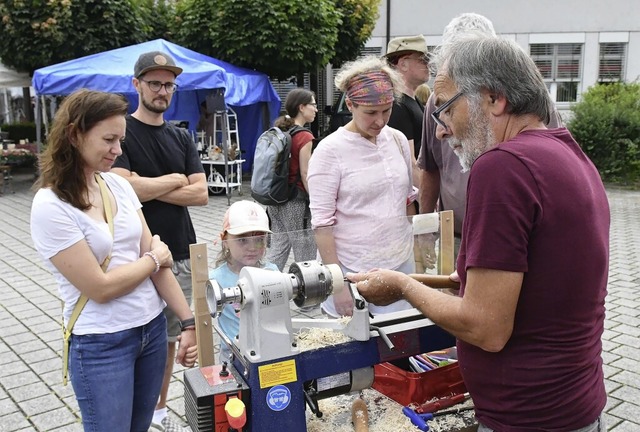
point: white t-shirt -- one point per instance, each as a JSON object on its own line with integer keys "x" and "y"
{"x": 57, "y": 225}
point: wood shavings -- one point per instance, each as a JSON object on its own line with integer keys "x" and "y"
{"x": 385, "y": 415}
{"x": 314, "y": 338}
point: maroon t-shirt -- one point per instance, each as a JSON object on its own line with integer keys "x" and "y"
{"x": 536, "y": 204}
{"x": 298, "y": 141}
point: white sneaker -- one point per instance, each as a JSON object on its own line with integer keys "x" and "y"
{"x": 173, "y": 425}
{"x": 168, "y": 424}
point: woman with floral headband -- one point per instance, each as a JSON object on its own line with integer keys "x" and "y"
{"x": 360, "y": 185}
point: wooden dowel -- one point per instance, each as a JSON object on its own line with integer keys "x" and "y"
{"x": 435, "y": 281}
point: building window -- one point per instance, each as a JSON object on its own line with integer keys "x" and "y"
{"x": 612, "y": 62}
{"x": 561, "y": 67}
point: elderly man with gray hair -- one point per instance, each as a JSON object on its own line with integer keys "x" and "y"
{"x": 534, "y": 257}
{"x": 443, "y": 183}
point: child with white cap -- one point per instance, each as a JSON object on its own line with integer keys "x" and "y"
{"x": 244, "y": 243}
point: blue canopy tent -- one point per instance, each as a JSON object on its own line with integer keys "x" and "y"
{"x": 247, "y": 92}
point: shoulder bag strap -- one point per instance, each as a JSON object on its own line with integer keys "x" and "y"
{"x": 397, "y": 140}
{"x": 83, "y": 299}
{"x": 399, "y": 143}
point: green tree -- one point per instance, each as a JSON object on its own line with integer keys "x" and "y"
{"x": 38, "y": 33}
{"x": 31, "y": 32}
{"x": 358, "y": 21}
{"x": 606, "y": 124}
{"x": 279, "y": 37}
{"x": 157, "y": 16}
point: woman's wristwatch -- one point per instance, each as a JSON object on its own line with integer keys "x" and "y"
{"x": 188, "y": 324}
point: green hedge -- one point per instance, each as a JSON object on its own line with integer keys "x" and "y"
{"x": 606, "y": 124}
{"x": 20, "y": 131}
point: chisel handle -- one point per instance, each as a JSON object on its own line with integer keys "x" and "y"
{"x": 360, "y": 416}
{"x": 435, "y": 281}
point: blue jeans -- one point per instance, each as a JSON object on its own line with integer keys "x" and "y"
{"x": 117, "y": 376}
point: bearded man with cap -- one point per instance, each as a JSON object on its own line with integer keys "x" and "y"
{"x": 360, "y": 187}
{"x": 408, "y": 55}
{"x": 162, "y": 164}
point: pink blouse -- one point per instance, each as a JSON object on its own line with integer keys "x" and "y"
{"x": 361, "y": 190}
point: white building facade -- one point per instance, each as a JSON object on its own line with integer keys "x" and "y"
{"x": 575, "y": 43}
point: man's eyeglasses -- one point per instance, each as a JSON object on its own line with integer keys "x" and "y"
{"x": 155, "y": 86}
{"x": 436, "y": 114}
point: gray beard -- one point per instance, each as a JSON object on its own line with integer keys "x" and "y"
{"x": 479, "y": 138}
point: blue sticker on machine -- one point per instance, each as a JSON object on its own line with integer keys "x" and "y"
{"x": 278, "y": 397}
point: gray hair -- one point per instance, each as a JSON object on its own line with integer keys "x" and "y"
{"x": 461, "y": 26}
{"x": 363, "y": 65}
{"x": 502, "y": 67}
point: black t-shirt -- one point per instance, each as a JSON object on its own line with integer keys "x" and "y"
{"x": 406, "y": 116}
{"x": 154, "y": 151}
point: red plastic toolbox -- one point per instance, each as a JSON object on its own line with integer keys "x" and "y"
{"x": 409, "y": 387}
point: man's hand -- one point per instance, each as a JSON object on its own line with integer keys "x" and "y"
{"x": 181, "y": 179}
{"x": 380, "y": 287}
{"x": 187, "y": 349}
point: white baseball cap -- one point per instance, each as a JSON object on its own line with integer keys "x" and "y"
{"x": 244, "y": 217}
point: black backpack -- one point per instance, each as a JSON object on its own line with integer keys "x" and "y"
{"x": 270, "y": 179}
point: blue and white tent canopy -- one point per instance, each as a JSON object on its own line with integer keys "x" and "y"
{"x": 246, "y": 91}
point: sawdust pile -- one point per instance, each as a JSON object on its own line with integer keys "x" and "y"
{"x": 385, "y": 415}
{"x": 314, "y": 338}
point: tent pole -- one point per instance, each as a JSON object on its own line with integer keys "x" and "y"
{"x": 45, "y": 118}
{"x": 38, "y": 121}
{"x": 266, "y": 116}
{"x": 7, "y": 107}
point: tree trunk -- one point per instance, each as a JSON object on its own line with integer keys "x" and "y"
{"x": 26, "y": 104}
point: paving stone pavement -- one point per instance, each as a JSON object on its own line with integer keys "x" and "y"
{"x": 32, "y": 397}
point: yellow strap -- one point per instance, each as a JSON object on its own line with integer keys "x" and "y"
{"x": 83, "y": 299}
{"x": 106, "y": 202}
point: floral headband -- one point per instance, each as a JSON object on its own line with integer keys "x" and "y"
{"x": 371, "y": 88}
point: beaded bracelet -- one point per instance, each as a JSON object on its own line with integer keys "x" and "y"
{"x": 155, "y": 260}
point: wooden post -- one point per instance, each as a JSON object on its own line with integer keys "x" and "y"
{"x": 204, "y": 329}
{"x": 446, "y": 252}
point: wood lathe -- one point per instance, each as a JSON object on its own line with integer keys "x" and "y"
{"x": 275, "y": 380}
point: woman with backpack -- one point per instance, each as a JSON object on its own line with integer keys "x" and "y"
{"x": 290, "y": 221}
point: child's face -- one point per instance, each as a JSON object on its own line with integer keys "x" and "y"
{"x": 246, "y": 249}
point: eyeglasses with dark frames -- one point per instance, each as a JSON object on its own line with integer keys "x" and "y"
{"x": 436, "y": 114}
{"x": 155, "y": 86}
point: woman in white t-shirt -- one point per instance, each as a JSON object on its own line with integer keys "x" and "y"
{"x": 118, "y": 346}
